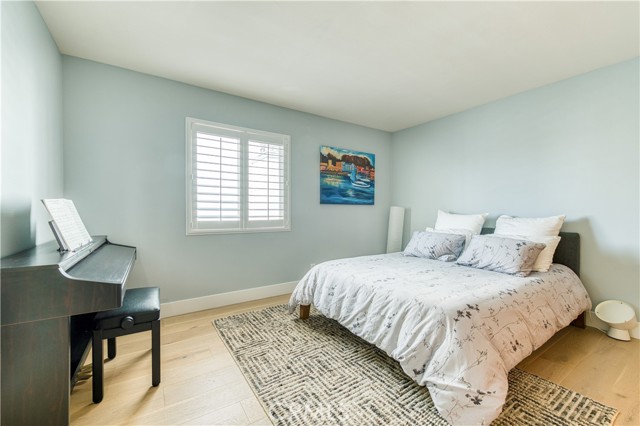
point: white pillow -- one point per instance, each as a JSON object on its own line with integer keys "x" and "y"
{"x": 545, "y": 258}
{"x": 507, "y": 225}
{"x": 472, "y": 222}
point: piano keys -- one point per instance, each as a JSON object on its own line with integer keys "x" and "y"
{"x": 48, "y": 301}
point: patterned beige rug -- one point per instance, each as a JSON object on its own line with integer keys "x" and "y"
{"x": 315, "y": 372}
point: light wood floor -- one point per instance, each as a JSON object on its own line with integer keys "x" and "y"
{"x": 201, "y": 383}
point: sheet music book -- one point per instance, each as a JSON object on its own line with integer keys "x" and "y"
{"x": 66, "y": 221}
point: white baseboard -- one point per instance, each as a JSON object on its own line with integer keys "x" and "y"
{"x": 593, "y": 321}
{"x": 188, "y": 306}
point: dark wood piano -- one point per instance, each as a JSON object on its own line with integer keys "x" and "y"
{"x": 48, "y": 301}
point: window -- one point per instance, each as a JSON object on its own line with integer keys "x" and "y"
{"x": 237, "y": 179}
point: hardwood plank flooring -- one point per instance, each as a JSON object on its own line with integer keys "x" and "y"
{"x": 202, "y": 385}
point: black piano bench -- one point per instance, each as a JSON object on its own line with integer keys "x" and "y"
{"x": 140, "y": 311}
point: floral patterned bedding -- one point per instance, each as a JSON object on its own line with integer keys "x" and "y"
{"x": 454, "y": 329}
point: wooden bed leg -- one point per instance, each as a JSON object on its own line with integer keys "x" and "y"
{"x": 304, "y": 311}
{"x": 580, "y": 322}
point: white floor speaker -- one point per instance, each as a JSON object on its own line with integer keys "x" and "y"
{"x": 396, "y": 227}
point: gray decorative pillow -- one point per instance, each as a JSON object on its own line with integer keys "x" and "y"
{"x": 435, "y": 245}
{"x": 507, "y": 255}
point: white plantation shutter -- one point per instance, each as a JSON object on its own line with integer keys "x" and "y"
{"x": 265, "y": 178}
{"x": 217, "y": 179}
{"x": 237, "y": 179}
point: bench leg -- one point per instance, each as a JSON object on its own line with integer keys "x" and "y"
{"x": 97, "y": 366}
{"x": 155, "y": 353}
{"x": 111, "y": 348}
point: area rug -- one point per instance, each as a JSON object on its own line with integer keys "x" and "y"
{"x": 315, "y": 372}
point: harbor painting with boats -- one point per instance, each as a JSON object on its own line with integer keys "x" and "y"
{"x": 346, "y": 176}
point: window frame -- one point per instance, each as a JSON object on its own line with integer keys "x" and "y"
{"x": 194, "y": 227}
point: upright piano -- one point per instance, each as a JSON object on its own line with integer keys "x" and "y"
{"x": 48, "y": 301}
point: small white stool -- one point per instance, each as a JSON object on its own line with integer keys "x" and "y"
{"x": 620, "y": 316}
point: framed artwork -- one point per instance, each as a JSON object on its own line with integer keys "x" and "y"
{"x": 346, "y": 176}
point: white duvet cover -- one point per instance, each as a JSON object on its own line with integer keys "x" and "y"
{"x": 456, "y": 330}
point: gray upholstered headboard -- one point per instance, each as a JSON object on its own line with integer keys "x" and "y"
{"x": 567, "y": 253}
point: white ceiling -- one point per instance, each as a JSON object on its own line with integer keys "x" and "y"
{"x": 385, "y": 65}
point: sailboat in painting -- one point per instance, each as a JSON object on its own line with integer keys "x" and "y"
{"x": 358, "y": 181}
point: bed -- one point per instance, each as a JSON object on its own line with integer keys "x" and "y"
{"x": 454, "y": 329}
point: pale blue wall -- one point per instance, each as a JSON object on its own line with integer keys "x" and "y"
{"x": 124, "y": 156}
{"x": 570, "y": 147}
{"x": 31, "y": 127}
{"x": 567, "y": 148}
